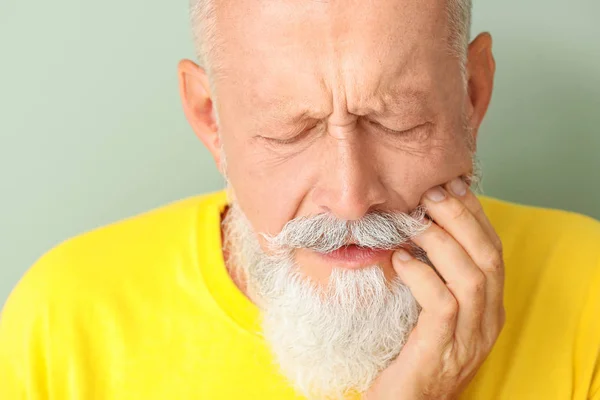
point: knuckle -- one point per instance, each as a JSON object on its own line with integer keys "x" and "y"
{"x": 448, "y": 309}
{"x": 492, "y": 260}
{"x": 476, "y": 206}
{"x": 476, "y": 284}
{"x": 439, "y": 236}
{"x": 458, "y": 211}
{"x": 498, "y": 245}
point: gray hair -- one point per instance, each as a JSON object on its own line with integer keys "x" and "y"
{"x": 324, "y": 233}
{"x": 202, "y": 18}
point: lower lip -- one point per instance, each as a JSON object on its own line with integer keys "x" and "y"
{"x": 354, "y": 257}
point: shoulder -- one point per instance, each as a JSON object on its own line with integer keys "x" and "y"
{"x": 543, "y": 229}
{"x": 111, "y": 261}
{"x": 83, "y": 291}
{"x": 125, "y": 243}
{"x": 501, "y": 209}
{"x": 551, "y": 292}
{"x": 547, "y": 253}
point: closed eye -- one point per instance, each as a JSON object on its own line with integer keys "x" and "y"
{"x": 291, "y": 139}
{"x": 397, "y": 132}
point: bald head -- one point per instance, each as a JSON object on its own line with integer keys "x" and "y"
{"x": 203, "y": 17}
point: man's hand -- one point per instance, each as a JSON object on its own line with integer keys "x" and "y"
{"x": 460, "y": 319}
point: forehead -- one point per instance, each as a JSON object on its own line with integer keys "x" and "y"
{"x": 292, "y": 51}
{"x": 359, "y": 28}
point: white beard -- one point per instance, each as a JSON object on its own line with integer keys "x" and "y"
{"x": 328, "y": 341}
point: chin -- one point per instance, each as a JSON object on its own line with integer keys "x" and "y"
{"x": 335, "y": 338}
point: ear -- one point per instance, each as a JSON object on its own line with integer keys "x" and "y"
{"x": 194, "y": 89}
{"x": 481, "y": 68}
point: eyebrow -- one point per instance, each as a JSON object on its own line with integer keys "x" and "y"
{"x": 389, "y": 102}
{"x": 397, "y": 99}
{"x": 287, "y": 113}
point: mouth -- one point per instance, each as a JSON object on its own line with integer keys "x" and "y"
{"x": 354, "y": 257}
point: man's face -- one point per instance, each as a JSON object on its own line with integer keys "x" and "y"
{"x": 337, "y": 107}
{"x": 335, "y": 117}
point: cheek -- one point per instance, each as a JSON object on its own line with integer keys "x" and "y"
{"x": 411, "y": 172}
{"x": 268, "y": 193}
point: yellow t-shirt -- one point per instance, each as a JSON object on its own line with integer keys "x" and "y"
{"x": 144, "y": 309}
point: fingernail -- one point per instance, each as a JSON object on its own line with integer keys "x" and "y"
{"x": 458, "y": 187}
{"x": 403, "y": 255}
{"x": 435, "y": 194}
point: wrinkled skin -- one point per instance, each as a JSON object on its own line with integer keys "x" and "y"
{"x": 345, "y": 108}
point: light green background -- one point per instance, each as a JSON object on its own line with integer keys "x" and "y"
{"x": 91, "y": 128}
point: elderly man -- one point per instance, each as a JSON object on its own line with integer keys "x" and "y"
{"x": 348, "y": 258}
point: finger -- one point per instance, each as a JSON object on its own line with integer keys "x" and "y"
{"x": 454, "y": 217}
{"x": 463, "y": 278}
{"x": 458, "y": 188}
{"x": 451, "y": 213}
{"x": 437, "y": 320}
{"x": 495, "y": 299}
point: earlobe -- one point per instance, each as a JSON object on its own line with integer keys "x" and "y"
{"x": 196, "y": 98}
{"x": 481, "y": 68}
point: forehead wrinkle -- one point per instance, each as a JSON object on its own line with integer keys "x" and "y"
{"x": 392, "y": 101}
{"x": 393, "y": 89}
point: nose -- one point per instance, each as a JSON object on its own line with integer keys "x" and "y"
{"x": 349, "y": 185}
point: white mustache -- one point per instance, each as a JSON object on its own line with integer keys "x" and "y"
{"x": 324, "y": 233}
